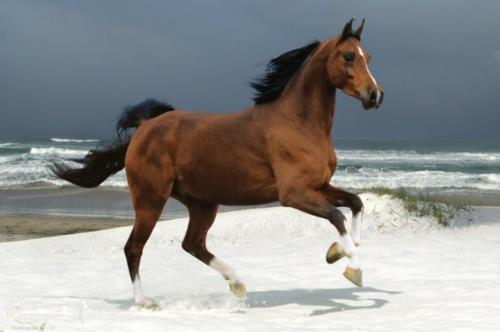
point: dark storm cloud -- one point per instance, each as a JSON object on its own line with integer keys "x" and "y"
{"x": 67, "y": 67}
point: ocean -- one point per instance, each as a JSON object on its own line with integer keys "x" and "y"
{"x": 361, "y": 164}
{"x": 439, "y": 167}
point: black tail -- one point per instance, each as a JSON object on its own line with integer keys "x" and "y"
{"x": 100, "y": 163}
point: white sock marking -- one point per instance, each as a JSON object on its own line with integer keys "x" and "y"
{"x": 350, "y": 250}
{"x": 138, "y": 294}
{"x": 225, "y": 270}
{"x": 356, "y": 227}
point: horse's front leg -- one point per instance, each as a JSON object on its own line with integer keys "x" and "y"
{"x": 318, "y": 202}
{"x": 342, "y": 198}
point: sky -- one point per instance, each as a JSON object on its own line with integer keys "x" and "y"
{"x": 67, "y": 68}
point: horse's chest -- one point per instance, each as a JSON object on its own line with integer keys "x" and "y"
{"x": 332, "y": 162}
{"x": 323, "y": 165}
{"x": 323, "y": 170}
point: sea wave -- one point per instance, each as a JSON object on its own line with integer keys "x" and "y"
{"x": 57, "y": 151}
{"x": 369, "y": 178}
{"x": 10, "y": 158}
{"x": 407, "y": 157}
{"x": 25, "y": 165}
{"x": 72, "y": 140}
{"x": 35, "y": 174}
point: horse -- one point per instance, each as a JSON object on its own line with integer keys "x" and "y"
{"x": 279, "y": 150}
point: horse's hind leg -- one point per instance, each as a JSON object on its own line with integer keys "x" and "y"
{"x": 145, "y": 221}
{"x": 201, "y": 218}
{"x": 148, "y": 204}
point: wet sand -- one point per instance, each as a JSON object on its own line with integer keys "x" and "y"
{"x": 16, "y": 228}
{"x": 28, "y": 214}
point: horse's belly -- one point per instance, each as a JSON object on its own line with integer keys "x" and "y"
{"x": 228, "y": 193}
{"x": 229, "y": 183}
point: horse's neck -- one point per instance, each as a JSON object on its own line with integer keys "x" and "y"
{"x": 311, "y": 95}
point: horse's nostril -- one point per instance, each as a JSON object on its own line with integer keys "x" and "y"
{"x": 373, "y": 96}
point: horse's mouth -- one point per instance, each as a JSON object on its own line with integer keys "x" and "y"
{"x": 368, "y": 105}
{"x": 373, "y": 103}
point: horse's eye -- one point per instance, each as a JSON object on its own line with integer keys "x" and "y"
{"x": 349, "y": 56}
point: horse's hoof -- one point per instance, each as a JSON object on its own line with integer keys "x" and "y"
{"x": 354, "y": 275}
{"x": 334, "y": 253}
{"x": 148, "y": 304}
{"x": 238, "y": 289}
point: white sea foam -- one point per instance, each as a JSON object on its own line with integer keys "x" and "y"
{"x": 57, "y": 151}
{"x": 396, "y": 156}
{"x": 8, "y": 158}
{"x": 34, "y": 173}
{"x": 72, "y": 140}
{"x": 490, "y": 178}
{"x": 5, "y": 144}
{"x": 369, "y": 177}
{"x": 118, "y": 180}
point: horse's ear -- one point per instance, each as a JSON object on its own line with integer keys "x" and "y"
{"x": 347, "y": 32}
{"x": 358, "y": 32}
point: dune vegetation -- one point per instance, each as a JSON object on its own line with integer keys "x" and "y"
{"x": 425, "y": 205}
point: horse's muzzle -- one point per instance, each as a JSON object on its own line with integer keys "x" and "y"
{"x": 374, "y": 100}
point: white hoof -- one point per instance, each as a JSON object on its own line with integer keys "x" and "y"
{"x": 147, "y": 304}
{"x": 238, "y": 288}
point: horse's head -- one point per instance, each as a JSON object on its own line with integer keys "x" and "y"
{"x": 347, "y": 67}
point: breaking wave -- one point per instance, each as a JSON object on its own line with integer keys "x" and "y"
{"x": 72, "y": 140}
{"x": 52, "y": 151}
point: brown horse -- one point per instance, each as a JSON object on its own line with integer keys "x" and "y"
{"x": 278, "y": 150}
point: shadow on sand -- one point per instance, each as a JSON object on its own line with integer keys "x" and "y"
{"x": 332, "y": 299}
{"x": 329, "y": 300}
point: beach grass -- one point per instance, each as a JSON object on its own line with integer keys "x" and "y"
{"x": 426, "y": 205}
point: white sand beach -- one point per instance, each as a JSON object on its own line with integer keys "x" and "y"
{"x": 417, "y": 276}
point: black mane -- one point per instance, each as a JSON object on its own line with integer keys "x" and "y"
{"x": 278, "y": 72}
